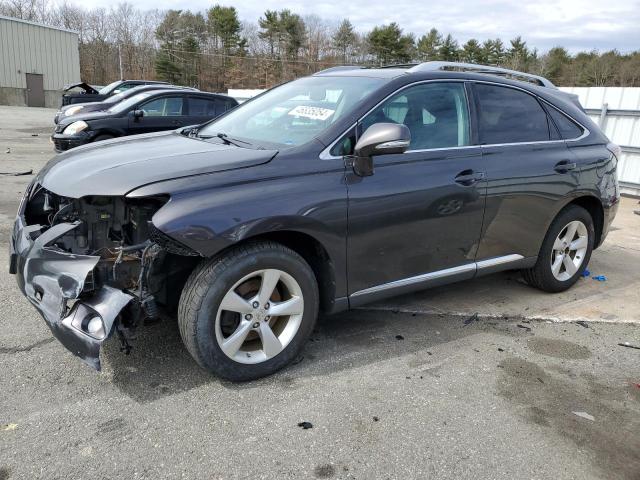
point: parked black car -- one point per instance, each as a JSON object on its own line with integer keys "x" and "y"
{"x": 90, "y": 94}
{"x": 322, "y": 194}
{"x": 82, "y": 108}
{"x": 144, "y": 112}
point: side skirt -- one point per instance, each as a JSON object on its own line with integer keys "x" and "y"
{"x": 440, "y": 277}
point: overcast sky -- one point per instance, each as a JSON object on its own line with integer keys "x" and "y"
{"x": 574, "y": 24}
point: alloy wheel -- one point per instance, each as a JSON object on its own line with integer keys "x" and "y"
{"x": 259, "y": 316}
{"x": 569, "y": 250}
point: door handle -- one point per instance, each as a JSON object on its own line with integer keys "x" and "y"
{"x": 565, "y": 166}
{"x": 469, "y": 177}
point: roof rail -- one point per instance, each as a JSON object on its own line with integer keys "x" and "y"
{"x": 340, "y": 68}
{"x": 485, "y": 69}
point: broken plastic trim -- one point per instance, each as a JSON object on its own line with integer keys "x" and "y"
{"x": 51, "y": 277}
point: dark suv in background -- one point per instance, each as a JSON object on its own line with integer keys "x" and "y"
{"x": 322, "y": 194}
{"x": 148, "y": 111}
{"x": 82, "y": 108}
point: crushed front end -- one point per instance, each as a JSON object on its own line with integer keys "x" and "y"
{"x": 89, "y": 267}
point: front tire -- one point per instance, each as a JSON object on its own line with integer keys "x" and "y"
{"x": 249, "y": 312}
{"x": 565, "y": 251}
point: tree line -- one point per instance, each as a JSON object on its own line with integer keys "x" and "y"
{"x": 215, "y": 50}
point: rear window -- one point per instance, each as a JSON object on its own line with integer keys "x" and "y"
{"x": 507, "y": 115}
{"x": 567, "y": 127}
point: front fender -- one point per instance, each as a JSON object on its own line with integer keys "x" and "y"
{"x": 211, "y": 220}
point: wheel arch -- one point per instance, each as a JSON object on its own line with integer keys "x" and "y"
{"x": 313, "y": 252}
{"x": 593, "y": 205}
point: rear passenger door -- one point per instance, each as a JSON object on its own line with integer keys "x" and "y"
{"x": 160, "y": 113}
{"x": 528, "y": 170}
{"x": 203, "y": 109}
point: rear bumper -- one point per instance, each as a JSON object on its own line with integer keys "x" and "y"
{"x": 53, "y": 281}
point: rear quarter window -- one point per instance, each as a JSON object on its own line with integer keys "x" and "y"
{"x": 568, "y": 128}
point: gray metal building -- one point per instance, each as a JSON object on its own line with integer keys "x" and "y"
{"x": 36, "y": 61}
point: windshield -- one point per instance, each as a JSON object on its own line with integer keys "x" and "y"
{"x": 129, "y": 102}
{"x": 106, "y": 90}
{"x": 295, "y": 112}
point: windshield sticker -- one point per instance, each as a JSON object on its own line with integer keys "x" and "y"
{"x": 314, "y": 113}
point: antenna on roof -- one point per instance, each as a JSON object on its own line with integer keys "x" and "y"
{"x": 485, "y": 69}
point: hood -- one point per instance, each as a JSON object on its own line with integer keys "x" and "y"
{"x": 64, "y": 121}
{"x": 85, "y": 105}
{"x": 84, "y": 86}
{"x": 115, "y": 167}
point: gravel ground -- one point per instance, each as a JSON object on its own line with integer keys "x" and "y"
{"x": 388, "y": 393}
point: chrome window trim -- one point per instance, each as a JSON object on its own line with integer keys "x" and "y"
{"x": 326, "y": 155}
{"x": 447, "y": 272}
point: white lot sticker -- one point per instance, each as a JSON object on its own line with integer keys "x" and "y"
{"x": 315, "y": 113}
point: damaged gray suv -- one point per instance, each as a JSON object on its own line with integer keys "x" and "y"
{"x": 320, "y": 195}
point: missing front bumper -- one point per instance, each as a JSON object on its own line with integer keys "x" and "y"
{"x": 51, "y": 279}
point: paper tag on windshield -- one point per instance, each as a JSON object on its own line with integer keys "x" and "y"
{"x": 314, "y": 113}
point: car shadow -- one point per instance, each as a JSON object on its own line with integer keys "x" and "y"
{"x": 159, "y": 365}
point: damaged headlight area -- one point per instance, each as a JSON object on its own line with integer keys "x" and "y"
{"x": 91, "y": 266}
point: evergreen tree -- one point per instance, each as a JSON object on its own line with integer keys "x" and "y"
{"x": 449, "y": 49}
{"x": 472, "y": 52}
{"x": 344, "y": 39}
{"x": 429, "y": 46}
{"x": 389, "y": 45}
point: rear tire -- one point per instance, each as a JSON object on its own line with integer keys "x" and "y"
{"x": 565, "y": 251}
{"x": 249, "y": 312}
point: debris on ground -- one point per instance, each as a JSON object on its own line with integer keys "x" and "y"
{"x": 17, "y": 174}
{"x": 8, "y": 150}
{"x": 500, "y": 349}
{"x": 586, "y": 273}
{"x": 584, "y": 415}
{"x": 10, "y": 426}
{"x": 600, "y": 278}
{"x": 399, "y": 337}
{"x": 471, "y": 319}
{"x": 305, "y": 425}
{"x": 629, "y": 345}
{"x": 375, "y": 419}
{"x": 528, "y": 329}
{"x": 582, "y": 323}
{"x": 34, "y": 134}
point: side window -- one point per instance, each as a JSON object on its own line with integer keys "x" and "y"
{"x": 568, "y": 129}
{"x": 506, "y": 115}
{"x": 202, "y": 107}
{"x": 436, "y": 114}
{"x": 163, "y": 107}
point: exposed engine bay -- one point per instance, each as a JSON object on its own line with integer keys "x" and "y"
{"x": 97, "y": 265}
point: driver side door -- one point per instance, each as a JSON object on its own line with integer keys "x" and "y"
{"x": 163, "y": 113}
{"x": 417, "y": 220}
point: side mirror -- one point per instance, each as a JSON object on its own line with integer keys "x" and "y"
{"x": 379, "y": 139}
{"x": 138, "y": 114}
